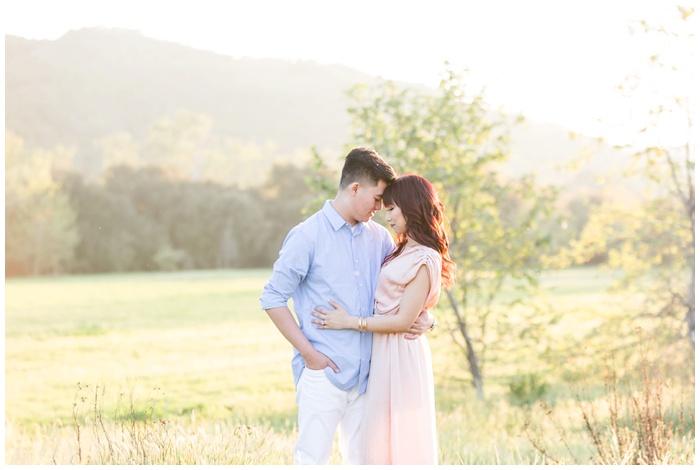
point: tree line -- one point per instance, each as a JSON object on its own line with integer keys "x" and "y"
{"x": 156, "y": 215}
{"x": 141, "y": 218}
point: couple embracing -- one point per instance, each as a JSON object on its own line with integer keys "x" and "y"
{"x": 362, "y": 364}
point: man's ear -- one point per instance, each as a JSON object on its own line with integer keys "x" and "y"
{"x": 354, "y": 187}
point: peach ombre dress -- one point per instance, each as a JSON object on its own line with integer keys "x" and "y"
{"x": 399, "y": 421}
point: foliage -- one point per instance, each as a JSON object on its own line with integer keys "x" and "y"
{"x": 653, "y": 241}
{"x": 181, "y": 211}
{"x": 322, "y": 181}
{"x": 144, "y": 219}
{"x": 528, "y": 388}
{"x": 186, "y": 146}
{"x": 497, "y": 226}
{"x": 141, "y": 218}
{"x": 41, "y": 230}
{"x": 180, "y": 199}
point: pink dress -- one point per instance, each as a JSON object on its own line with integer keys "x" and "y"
{"x": 399, "y": 421}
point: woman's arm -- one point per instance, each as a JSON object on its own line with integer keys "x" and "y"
{"x": 411, "y": 305}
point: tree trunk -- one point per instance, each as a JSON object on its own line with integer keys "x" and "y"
{"x": 228, "y": 252}
{"x": 690, "y": 314}
{"x": 477, "y": 380}
{"x": 38, "y": 247}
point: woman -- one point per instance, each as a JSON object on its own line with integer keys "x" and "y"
{"x": 399, "y": 420}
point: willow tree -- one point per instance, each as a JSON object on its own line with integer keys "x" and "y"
{"x": 455, "y": 140}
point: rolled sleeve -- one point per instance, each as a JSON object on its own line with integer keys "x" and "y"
{"x": 288, "y": 271}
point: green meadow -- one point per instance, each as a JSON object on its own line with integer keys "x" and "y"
{"x": 184, "y": 368}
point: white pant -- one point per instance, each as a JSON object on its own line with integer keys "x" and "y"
{"x": 322, "y": 407}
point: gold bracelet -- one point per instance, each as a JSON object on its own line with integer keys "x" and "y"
{"x": 362, "y": 323}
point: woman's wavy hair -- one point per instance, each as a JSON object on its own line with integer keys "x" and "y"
{"x": 425, "y": 219}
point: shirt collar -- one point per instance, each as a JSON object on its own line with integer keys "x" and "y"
{"x": 336, "y": 219}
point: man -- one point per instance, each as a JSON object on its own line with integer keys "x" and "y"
{"x": 335, "y": 254}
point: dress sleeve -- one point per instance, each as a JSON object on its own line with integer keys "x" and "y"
{"x": 431, "y": 259}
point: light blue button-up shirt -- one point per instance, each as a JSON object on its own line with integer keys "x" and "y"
{"x": 325, "y": 258}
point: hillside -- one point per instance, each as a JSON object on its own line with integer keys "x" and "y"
{"x": 95, "y": 82}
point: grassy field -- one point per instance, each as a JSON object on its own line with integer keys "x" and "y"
{"x": 185, "y": 368}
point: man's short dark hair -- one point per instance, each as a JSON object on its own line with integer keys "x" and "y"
{"x": 363, "y": 164}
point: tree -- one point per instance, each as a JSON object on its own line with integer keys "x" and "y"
{"x": 452, "y": 138}
{"x": 181, "y": 143}
{"x": 653, "y": 243}
{"x": 40, "y": 235}
{"x": 282, "y": 199}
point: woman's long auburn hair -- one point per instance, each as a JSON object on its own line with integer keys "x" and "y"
{"x": 425, "y": 219}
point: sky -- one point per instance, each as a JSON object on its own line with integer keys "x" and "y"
{"x": 556, "y": 61}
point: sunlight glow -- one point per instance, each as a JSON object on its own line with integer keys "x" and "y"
{"x": 554, "y": 61}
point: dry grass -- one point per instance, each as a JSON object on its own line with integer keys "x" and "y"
{"x": 643, "y": 419}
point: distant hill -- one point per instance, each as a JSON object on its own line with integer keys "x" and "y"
{"x": 94, "y": 82}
